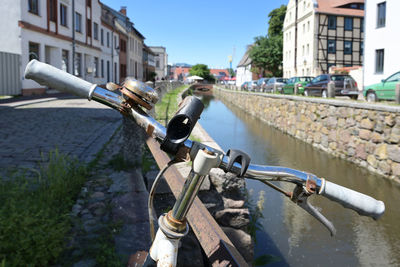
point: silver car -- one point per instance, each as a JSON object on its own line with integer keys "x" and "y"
{"x": 275, "y": 84}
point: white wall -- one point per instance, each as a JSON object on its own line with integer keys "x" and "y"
{"x": 387, "y": 38}
{"x": 243, "y": 74}
{"x": 10, "y": 33}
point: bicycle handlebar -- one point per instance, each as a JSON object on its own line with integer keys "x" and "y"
{"x": 55, "y": 78}
{"x": 50, "y": 76}
{"x": 362, "y": 204}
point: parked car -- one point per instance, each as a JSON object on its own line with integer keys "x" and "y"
{"x": 300, "y": 82}
{"x": 275, "y": 84}
{"x": 243, "y": 86}
{"x": 385, "y": 90}
{"x": 261, "y": 83}
{"x": 345, "y": 85}
{"x": 253, "y": 85}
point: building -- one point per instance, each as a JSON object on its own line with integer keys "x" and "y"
{"x": 59, "y": 33}
{"x": 161, "y": 59}
{"x": 130, "y": 46}
{"x": 149, "y": 64}
{"x": 220, "y": 74}
{"x": 85, "y": 38}
{"x": 319, "y": 34}
{"x": 180, "y": 73}
{"x": 382, "y": 40}
{"x": 243, "y": 71}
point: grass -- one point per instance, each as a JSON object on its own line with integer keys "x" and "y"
{"x": 34, "y": 216}
{"x": 168, "y": 105}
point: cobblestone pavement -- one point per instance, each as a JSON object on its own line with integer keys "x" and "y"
{"x": 31, "y": 128}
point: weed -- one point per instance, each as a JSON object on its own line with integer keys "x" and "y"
{"x": 168, "y": 104}
{"x": 118, "y": 163}
{"x": 34, "y": 216}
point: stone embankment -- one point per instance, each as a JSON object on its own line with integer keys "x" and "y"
{"x": 363, "y": 133}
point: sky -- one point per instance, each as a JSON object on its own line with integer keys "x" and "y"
{"x": 205, "y": 32}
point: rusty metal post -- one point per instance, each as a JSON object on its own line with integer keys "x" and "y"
{"x": 398, "y": 93}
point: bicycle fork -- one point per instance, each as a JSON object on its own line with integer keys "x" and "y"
{"x": 173, "y": 225}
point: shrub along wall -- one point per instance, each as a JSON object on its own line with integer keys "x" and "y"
{"x": 366, "y": 134}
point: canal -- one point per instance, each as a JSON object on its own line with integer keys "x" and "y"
{"x": 289, "y": 232}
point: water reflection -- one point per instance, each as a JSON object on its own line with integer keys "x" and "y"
{"x": 296, "y": 235}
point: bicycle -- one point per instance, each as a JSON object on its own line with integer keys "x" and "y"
{"x": 133, "y": 98}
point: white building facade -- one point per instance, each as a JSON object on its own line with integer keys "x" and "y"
{"x": 319, "y": 34}
{"x": 161, "y": 59}
{"x": 382, "y": 39}
{"x": 243, "y": 70}
{"x": 51, "y": 31}
{"x": 135, "y": 54}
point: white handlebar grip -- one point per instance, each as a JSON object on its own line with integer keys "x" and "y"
{"x": 362, "y": 204}
{"x": 50, "y": 76}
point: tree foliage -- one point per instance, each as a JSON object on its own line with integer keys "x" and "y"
{"x": 276, "y": 18}
{"x": 202, "y": 71}
{"x": 266, "y": 53}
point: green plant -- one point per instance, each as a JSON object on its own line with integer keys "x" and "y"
{"x": 168, "y": 104}
{"x": 34, "y": 216}
{"x": 118, "y": 163}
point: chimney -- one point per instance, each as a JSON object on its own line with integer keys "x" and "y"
{"x": 123, "y": 10}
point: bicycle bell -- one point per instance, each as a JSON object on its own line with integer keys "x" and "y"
{"x": 137, "y": 92}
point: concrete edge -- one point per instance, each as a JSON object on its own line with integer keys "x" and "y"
{"x": 333, "y": 102}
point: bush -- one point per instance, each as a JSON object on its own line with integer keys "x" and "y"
{"x": 34, "y": 216}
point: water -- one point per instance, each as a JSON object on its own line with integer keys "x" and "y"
{"x": 289, "y": 232}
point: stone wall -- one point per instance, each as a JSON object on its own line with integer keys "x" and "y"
{"x": 363, "y": 133}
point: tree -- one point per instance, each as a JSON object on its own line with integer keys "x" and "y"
{"x": 266, "y": 52}
{"x": 232, "y": 73}
{"x": 202, "y": 71}
{"x": 276, "y": 18}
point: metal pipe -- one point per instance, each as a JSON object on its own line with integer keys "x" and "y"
{"x": 188, "y": 193}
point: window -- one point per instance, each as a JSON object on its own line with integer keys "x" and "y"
{"x": 157, "y": 64}
{"x": 122, "y": 45}
{"x": 123, "y": 70}
{"x": 361, "y": 47}
{"x": 102, "y": 68}
{"x": 96, "y": 67}
{"x": 361, "y": 25}
{"x": 65, "y": 60}
{"x": 108, "y": 39}
{"x": 33, "y": 51}
{"x": 348, "y": 47}
{"x": 308, "y": 26}
{"x": 33, "y": 6}
{"x": 332, "y": 22}
{"x": 89, "y": 27}
{"x": 53, "y": 10}
{"x": 304, "y": 28}
{"x": 381, "y": 22}
{"x": 63, "y": 15}
{"x": 78, "y": 64}
{"x": 394, "y": 78}
{"x": 115, "y": 72}
{"x": 78, "y": 22}
{"x": 95, "y": 31}
{"x": 115, "y": 42}
{"x": 348, "y": 24}
{"x": 331, "y": 46}
{"x": 308, "y": 49}
{"x": 108, "y": 70}
{"x": 89, "y": 3}
{"x": 102, "y": 37}
{"x": 379, "y": 60}
{"x": 303, "y": 51}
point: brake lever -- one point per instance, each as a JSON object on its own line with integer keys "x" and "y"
{"x": 300, "y": 197}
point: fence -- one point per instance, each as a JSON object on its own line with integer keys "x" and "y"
{"x": 10, "y": 78}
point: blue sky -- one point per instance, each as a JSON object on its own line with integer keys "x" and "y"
{"x": 200, "y": 31}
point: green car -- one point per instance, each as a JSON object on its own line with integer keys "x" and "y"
{"x": 296, "y": 81}
{"x": 385, "y": 90}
